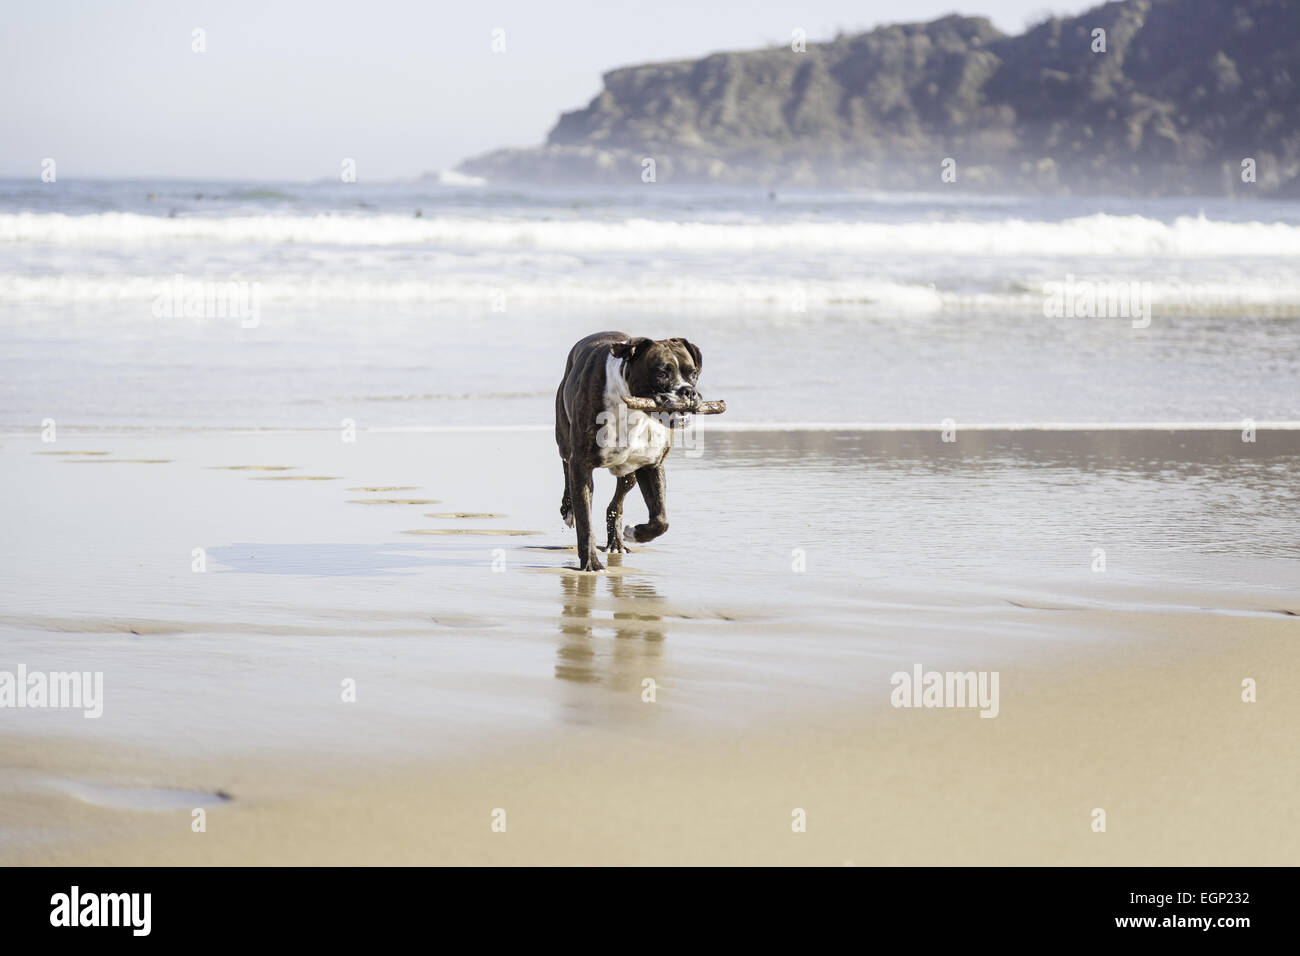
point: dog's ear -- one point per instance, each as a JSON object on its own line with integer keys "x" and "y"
{"x": 694, "y": 349}
{"x": 630, "y": 349}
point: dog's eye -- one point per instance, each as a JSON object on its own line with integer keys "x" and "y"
{"x": 662, "y": 371}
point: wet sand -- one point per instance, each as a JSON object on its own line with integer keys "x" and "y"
{"x": 488, "y": 676}
{"x": 1186, "y": 772}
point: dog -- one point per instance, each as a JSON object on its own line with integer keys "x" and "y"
{"x": 595, "y": 429}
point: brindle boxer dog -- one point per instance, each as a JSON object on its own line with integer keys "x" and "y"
{"x": 602, "y": 370}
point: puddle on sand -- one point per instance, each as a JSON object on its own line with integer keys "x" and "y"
{"x": 139, "y": 798}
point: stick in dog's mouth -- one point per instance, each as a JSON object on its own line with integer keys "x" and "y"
{"x": 638, "y": 404}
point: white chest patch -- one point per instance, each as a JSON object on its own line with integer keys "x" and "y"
{"x": 627, "y": 440}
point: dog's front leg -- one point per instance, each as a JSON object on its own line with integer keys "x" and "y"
{"x": 653, "y": 490}
{"x": 580, "y": 489}
{"x": 614, "y": 516}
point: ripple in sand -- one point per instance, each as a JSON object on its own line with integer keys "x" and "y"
{"x": 119, "y": 461}
{"x": 387, "y": 488}
{"x": 394, "y": 501}
{"x": 140, "y": 798}
{"x": 464, "y": 514}
{"x": 500, "y": 531}
{"x": 252, "y": 467}
{"x": 295, "y": 477}
{"x": 72, "y": 453}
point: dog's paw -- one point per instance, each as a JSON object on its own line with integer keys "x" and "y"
{"x": 568, "y": 518}
{"x": 629, "y": 533}
{"x": 616, "y": 546}
{"x": 592, "y": 564}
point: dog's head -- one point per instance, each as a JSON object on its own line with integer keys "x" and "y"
{"x": 666, "y": 370}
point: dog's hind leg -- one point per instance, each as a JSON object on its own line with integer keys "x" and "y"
{"x": 653, "y": 489}
{"x": 580, "y": 487}
{"x": 614, "y": 516}
{"x": 566, "y": 503}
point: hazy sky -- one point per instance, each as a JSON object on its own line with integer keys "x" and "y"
{"x": 286, "y": 90}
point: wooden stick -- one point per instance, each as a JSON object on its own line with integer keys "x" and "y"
{"x": 650, "y": 405}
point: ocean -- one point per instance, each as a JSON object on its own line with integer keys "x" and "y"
{"x": 452, "y": 303}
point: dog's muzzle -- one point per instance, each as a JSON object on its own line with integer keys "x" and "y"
{"x": 685, "y": 395}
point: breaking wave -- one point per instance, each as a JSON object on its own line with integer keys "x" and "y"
{"x": 1275, "y": 297}
{"x": 1094, "y": 235}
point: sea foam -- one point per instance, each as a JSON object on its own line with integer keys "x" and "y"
{"x": 1095, "y": 235}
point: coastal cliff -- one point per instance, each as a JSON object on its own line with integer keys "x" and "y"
{"x": 1184, "y": 93}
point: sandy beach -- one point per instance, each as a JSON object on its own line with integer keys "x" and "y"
{"x": 488, "y": 677}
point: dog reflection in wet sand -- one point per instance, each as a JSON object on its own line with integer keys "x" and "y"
{"x": 637, "y": 631}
